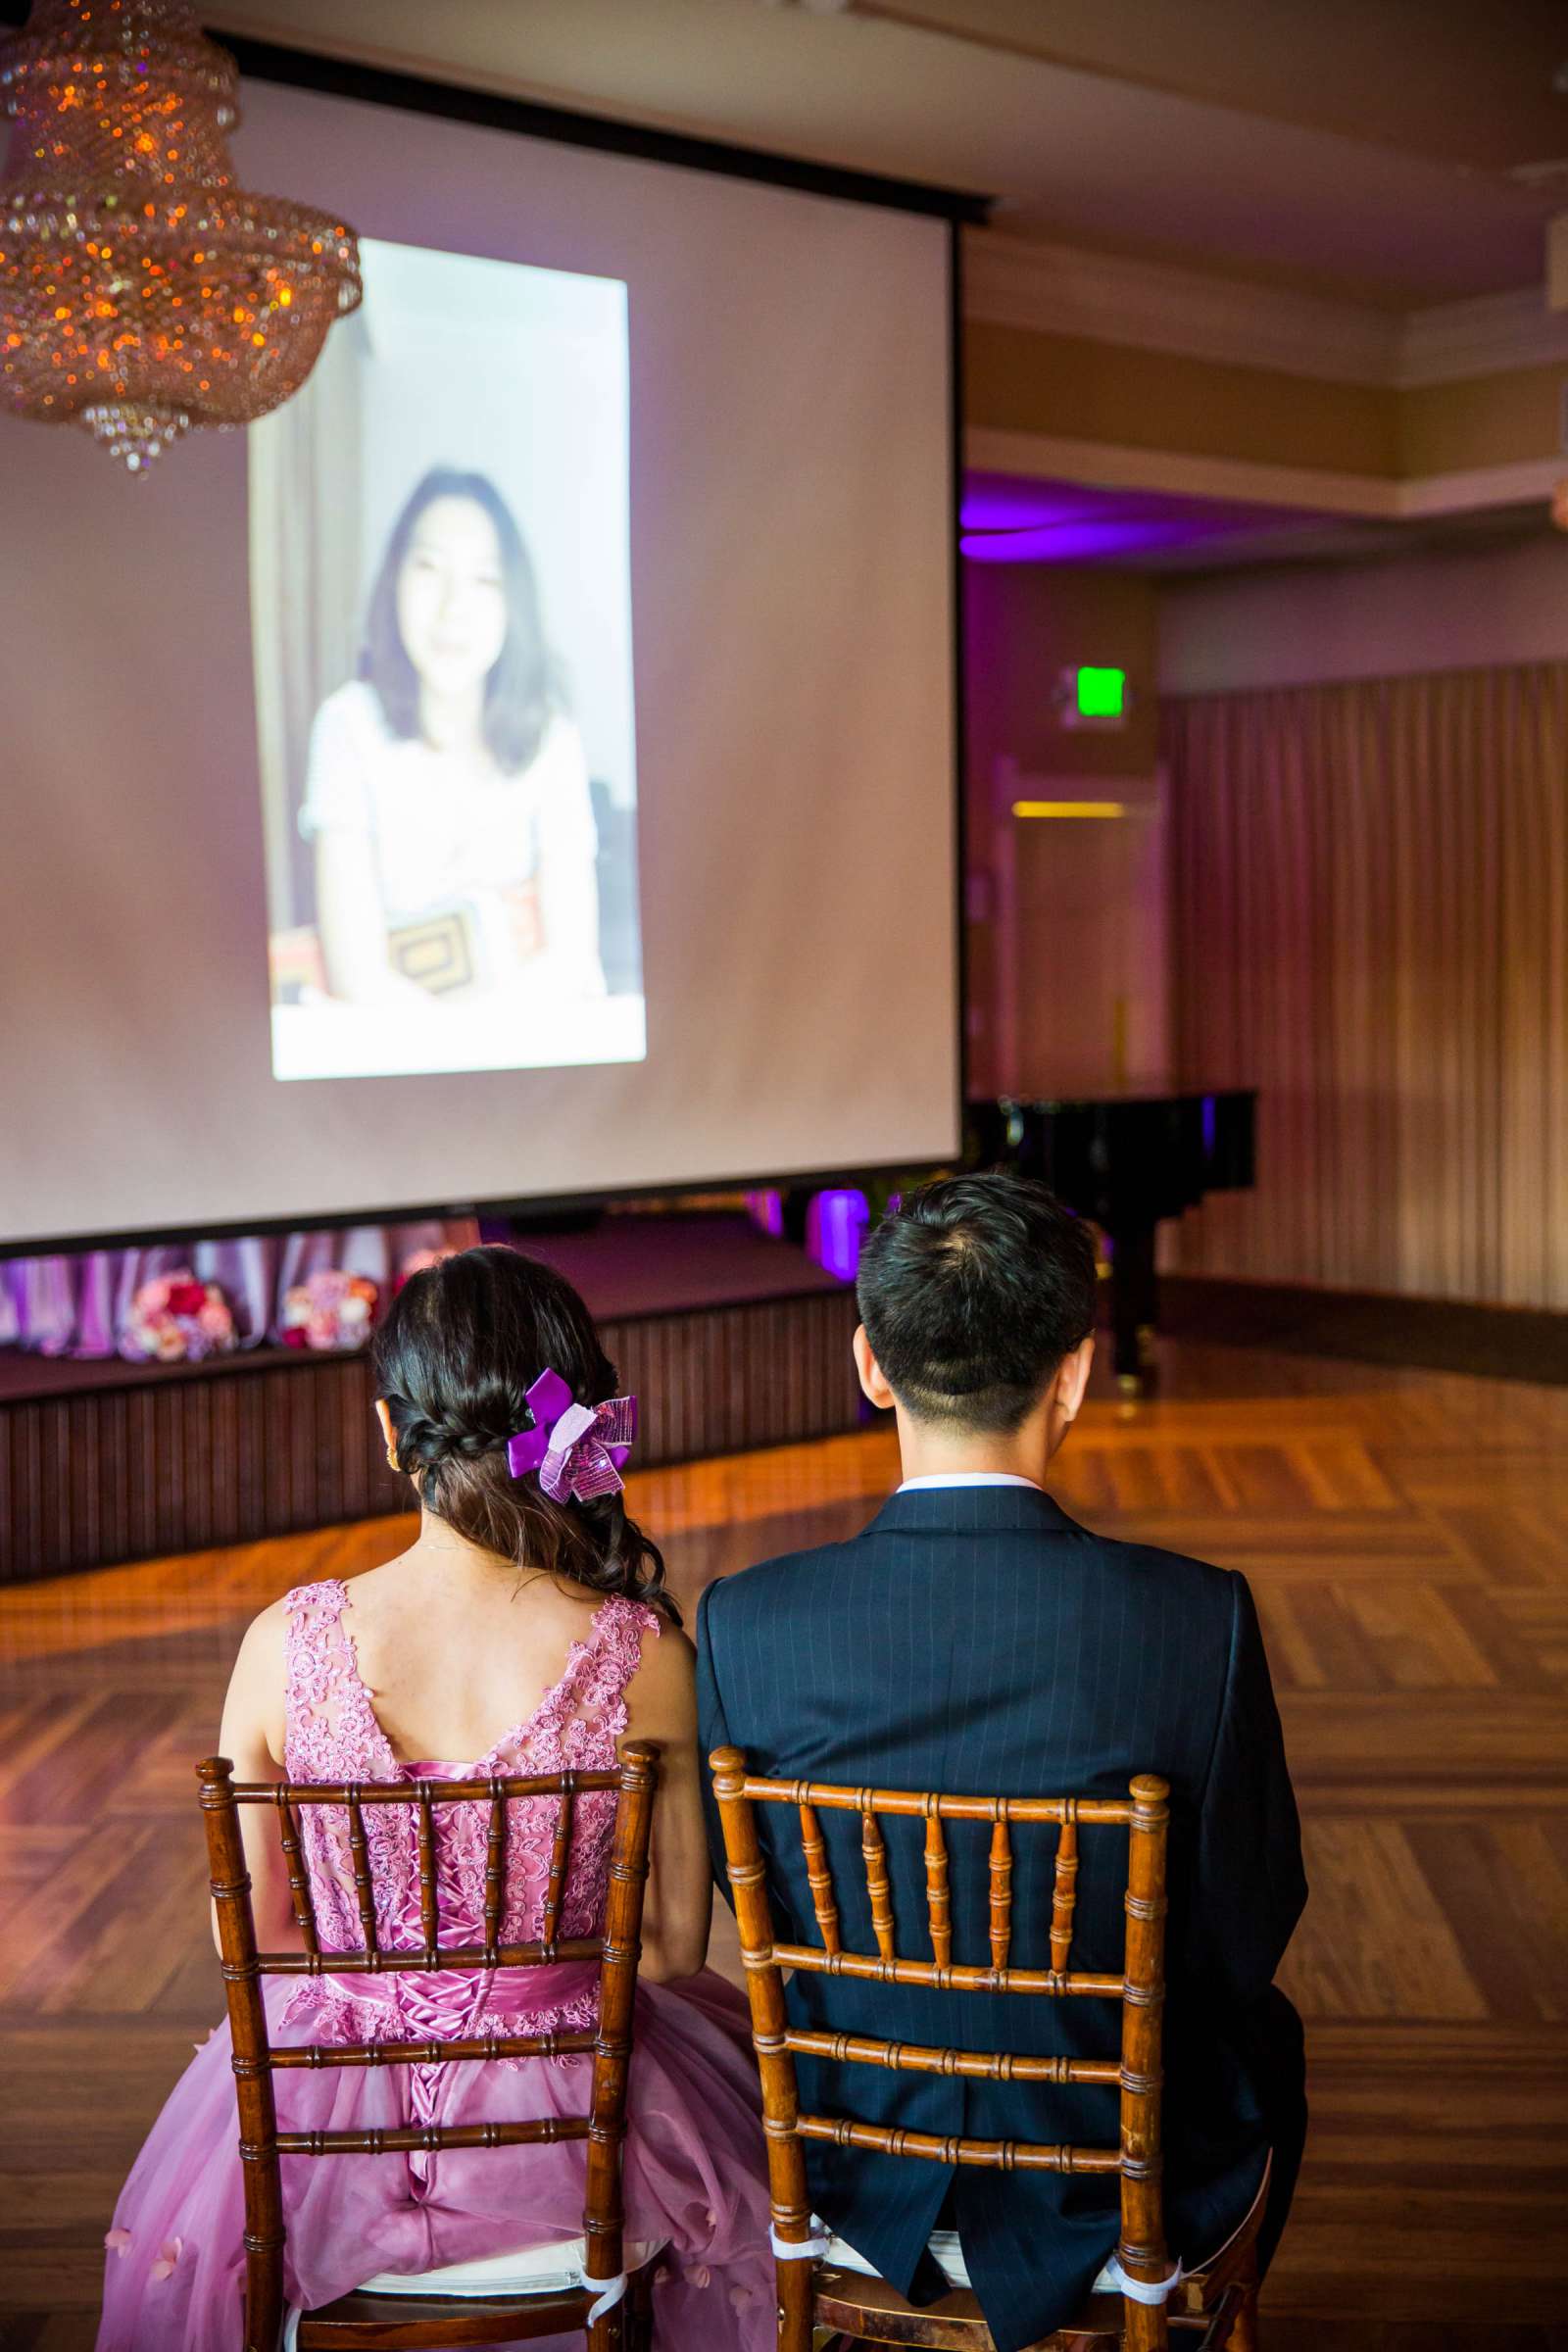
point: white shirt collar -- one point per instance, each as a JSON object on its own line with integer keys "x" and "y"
{"x": 967, "y": 1478}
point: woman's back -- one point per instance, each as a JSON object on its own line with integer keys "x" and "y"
{"x": 452, "y": 1660}
{"x": 337, "y": 1719}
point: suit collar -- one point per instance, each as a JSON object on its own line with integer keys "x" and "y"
{"x": 972, "y": 1511}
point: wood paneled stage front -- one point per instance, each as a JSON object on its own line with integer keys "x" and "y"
{"x": 728, "y": 1338}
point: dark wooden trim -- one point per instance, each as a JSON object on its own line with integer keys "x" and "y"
{"x": 339, "y": 76}
{"x": 137, "y": 1462}
{"x": 1434, "y": 1334}
{"x": 534, "y": 1208}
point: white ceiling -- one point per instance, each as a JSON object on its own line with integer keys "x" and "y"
{"x": 1398, "y": 152}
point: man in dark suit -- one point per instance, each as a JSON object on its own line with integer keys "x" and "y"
{"x": 975, "y": 1639}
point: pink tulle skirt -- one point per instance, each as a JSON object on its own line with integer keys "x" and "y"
{"x": 695, "y": 2175}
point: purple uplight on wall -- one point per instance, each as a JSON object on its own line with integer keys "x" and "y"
{"x": 994, "y": 503}
{"x": 1080, "y": 540}
{"x": 1011, "y": 518}
{"x": 835, "y": 1227}
{"x": 766, "y": 1212}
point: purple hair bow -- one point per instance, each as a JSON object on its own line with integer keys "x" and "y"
{"x": 578, "y": 1449}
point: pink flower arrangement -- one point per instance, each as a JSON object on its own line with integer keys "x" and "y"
{"x": 330, "y": 1310}
{"x": 175, "y": 1319}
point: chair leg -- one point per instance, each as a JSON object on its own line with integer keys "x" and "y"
{"x": 797, "y": 2297}
{"x": 1243, "y": 2330}
{"x": 608, "y": 2335}
{"x": 1145, "y": 2328}
{"x": 640, "y": 2327}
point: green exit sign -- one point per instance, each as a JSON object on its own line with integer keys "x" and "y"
{"x": 1102, "y": 693}
{"x": 1091, "y": 694}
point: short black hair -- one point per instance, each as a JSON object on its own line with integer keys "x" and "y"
{"x": 972, "y": 1291}
{"x": 522, "y": 692}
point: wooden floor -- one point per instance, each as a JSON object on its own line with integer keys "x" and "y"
{"x": 1406, "y": 1533}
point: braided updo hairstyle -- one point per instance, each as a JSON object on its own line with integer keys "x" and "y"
{"x": 463, "y": 1342}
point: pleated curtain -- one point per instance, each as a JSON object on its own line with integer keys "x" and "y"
{"x": 1370, "y": 924}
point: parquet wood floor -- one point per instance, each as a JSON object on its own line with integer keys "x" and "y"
{"x": 1407, "y": 1536}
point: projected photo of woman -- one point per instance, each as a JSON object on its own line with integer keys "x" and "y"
{"x": 441, "y": 617}
{"x": 447, "y": 792}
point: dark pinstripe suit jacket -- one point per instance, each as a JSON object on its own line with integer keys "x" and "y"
{"x": 976, "y": 1640}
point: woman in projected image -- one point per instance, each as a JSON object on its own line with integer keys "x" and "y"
{"x": 447, "y": 792}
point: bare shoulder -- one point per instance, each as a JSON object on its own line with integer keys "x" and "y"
{"x": 253, "y": 1724}
{"x": 668, "y": 1656}
{"x": 663, "y": 1692}
{"x": 382, "y": 1587}
{"x": 261, "y": 1646}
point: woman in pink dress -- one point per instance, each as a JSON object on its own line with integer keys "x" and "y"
{"x": 524, "y": 1630}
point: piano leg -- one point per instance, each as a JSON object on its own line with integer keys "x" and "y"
{"x": 1134, "y": 1305}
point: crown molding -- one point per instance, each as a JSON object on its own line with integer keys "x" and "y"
{"x": 1376, "y": 497}
{"x": 1116, "y": 466}
{"x": 1529, "y": 481}
{"x": 1490, "y": 336}
{"x": 1158, "y": 306}
{"x": 1161, "y": 306}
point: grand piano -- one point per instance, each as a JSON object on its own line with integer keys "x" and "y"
{"x": 1126, "y": 1158}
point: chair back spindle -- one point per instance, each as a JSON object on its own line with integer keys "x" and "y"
{"x": 877, "y": 1885}
{"x": 820, "y": 1878}
{"x": 494, "y": 1867}
{"x": 298, "y": 1877}
{"x": 559, "y": 1855}
{"x": 938, "y": 1908}
{"x": 1001, "y": 1875}
{"x": 430, "y": 1910}
{"x": 360, "y": 1863}
{"x": 1063, "y": 1892}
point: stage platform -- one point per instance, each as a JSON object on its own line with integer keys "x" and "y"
{"x": 729, "y": 1339}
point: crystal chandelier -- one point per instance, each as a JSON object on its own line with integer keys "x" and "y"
{"x": 142, "y": 290}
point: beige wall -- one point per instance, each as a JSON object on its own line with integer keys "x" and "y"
{"x": 1064, "y": 386}
{"x": 1484, "y": 420}
{"x": 1070, "y": 387}
{"x": 1298, "y": 625}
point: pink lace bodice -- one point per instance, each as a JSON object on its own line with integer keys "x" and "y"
{"x": 332, "y": 1733}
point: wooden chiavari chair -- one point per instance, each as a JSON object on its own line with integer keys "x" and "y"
{"x": 365, "y": 2320}
{"x": 1218, "y": 2303}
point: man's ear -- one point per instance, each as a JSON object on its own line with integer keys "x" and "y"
{"x": 873, "y": 1386}
{"x": 1072, "y": 1377}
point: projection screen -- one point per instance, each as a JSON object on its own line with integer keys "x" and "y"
{"x": 522, "y": 767}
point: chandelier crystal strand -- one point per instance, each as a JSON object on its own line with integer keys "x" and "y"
{"x": 142, "y": 290}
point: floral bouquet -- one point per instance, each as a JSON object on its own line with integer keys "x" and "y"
{"x": 175, "y": 1319}
{"x": 329, "y": 1310}
{"x": 415, "y": 1263}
